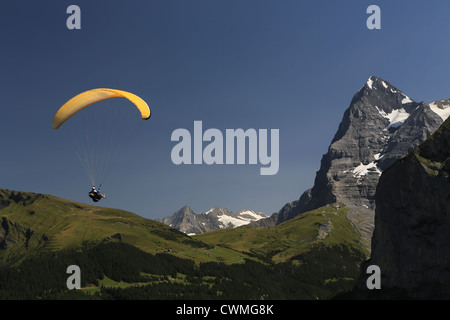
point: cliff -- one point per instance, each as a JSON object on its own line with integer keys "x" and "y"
{"x": 412, "y": 222}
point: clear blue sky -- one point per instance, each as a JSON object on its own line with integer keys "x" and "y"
{"x": 288, "y": 65}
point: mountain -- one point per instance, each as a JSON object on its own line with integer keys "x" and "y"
{"x": 190, "y": 222}
{"x": 412, "y": 222}
{"x": 380, "y": 126}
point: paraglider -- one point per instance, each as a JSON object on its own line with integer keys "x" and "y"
{"x": 95, "y": 195}
{"x": 89, "y": 155}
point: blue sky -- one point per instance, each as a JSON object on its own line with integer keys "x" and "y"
{"x": 287, "y": 65}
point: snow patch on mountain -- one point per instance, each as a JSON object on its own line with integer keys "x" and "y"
{"x": 378, "y": 156}
{"x": 406, "y": 100}
{"x": 396, "y": 117}
{"x": 441, "y": 109}
{"x": 364, "y": 169}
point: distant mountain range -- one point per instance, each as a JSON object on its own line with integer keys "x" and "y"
{"x": 380, "y": 126}
{"x": 190, "y": 222}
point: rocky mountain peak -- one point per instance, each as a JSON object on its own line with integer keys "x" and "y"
{"x": 378, "y": 88}
{"x": 381, "y": 125}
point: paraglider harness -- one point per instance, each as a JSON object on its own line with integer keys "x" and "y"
{"x": 95, "y": 195}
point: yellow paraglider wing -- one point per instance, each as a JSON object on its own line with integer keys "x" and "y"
{"x": 89, "y": 97}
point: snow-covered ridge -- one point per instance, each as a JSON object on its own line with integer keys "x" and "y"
{"x": 251, "y": 215}
{"x": 236, "y": 220}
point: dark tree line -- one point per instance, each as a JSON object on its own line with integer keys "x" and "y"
{"x": 44, "y": 277}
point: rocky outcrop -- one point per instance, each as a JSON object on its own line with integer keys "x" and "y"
{"x": 185, "y": 220}
{"x": 7, "y": 197}
{"x": 380, "y": 126}
{"x": 12, "y": 233}
{"x": 412, "y": 221}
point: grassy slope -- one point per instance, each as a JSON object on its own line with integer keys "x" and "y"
{"x": 57, "y": 224}
{"x": 327, "y": 225}
{"x": 311, "y": 241}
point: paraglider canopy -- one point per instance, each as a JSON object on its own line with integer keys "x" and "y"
{"x": 89, "y": 97}
{"x": 96, "y": 130}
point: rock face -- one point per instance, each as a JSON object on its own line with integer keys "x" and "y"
{"x": 190, "y": 222}
{"x": 381, "y": 125}
{"x": 12, "y": 233}
{"x": 412, "y": 221}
